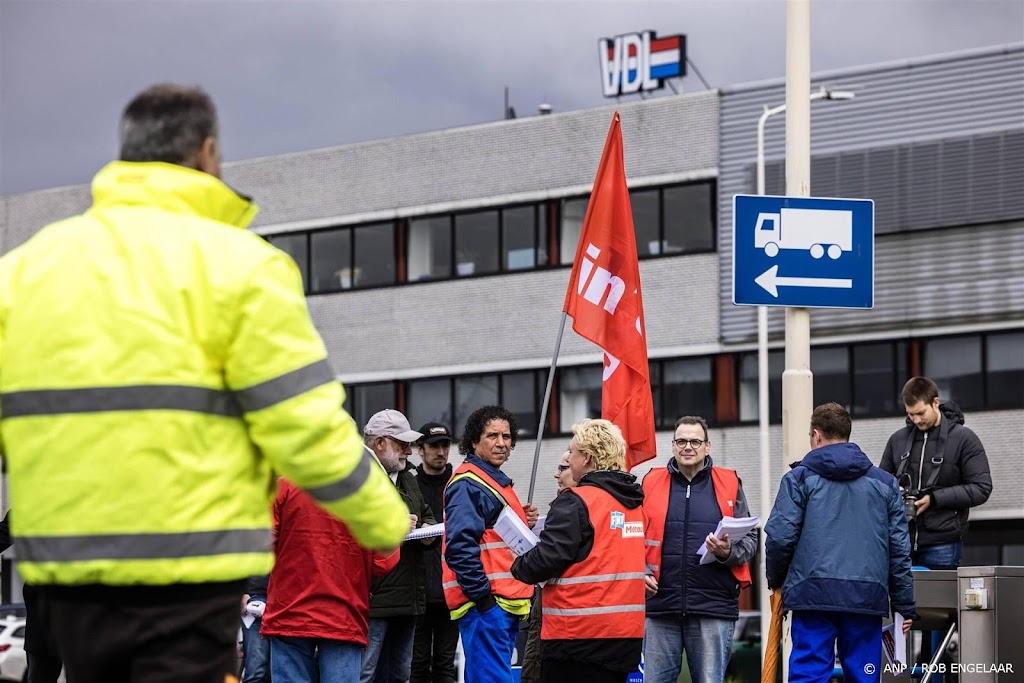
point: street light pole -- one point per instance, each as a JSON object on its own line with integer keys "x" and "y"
{"x": 762, "y": 358}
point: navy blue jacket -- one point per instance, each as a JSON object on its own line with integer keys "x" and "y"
{"x": 837, "y": 538}
{"x": 686, "y": 587}
{"x": 469, "y": 509}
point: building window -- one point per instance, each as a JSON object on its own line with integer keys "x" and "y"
{"x": 430, "y": 248}
{"x": 580, "y": 395}
{"x": 473, "y": 392}
{"x": 524, "y": 237}
{"x": 954, "y": 364}
{"x": 1004, "y": 370}
{"x": 363, "y": 400}
{"x": 374, "y": 263}
{"x": 748, "y": 386}
{"x": 521, "y": 394}
{"x": 646, "y": 206}
{"x": 476, "y": 243}
{"x": 430, "y": 400}
{"x": 879, "y": 370}
{"x": 689, "y": 218}
{"x": 686, "y": 389}
{"x": 573, "y": 213}
{"x": 676, "y": 219}
{"x": 831, "y": 369}
{"x": 294, "y": 244}
{"x": 332, "y": 261}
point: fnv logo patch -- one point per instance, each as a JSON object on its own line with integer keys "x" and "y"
{"x": 618, "y": 520}
{"x": 633, "y": 530}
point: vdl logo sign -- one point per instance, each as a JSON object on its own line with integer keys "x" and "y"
{"x": 635, "y": 62}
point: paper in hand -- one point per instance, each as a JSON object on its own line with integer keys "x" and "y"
{"x": 736, "y": 527}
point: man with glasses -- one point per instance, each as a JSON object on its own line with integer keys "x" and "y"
{"x": 399, "y": 597}
{"x": 691, "y": 607}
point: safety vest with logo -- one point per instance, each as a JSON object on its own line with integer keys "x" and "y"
{"x": 159, "y": 366}
{"x": 603, "y": 596}
{"x": 657, "y": 487}
{"x": 494, "y": 552}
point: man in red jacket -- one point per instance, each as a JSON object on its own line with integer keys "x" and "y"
{"x": 318, "y": 600}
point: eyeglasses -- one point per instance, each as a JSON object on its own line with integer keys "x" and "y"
{"x": 562, "y": 468}
{"x": 402, "y": 444}
{"x": 694, "y": 443}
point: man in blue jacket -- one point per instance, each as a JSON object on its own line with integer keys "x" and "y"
{"x": 838, "y": 545}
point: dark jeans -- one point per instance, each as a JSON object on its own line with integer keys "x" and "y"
{"x": 561, "y": 671}
{"x": 388, "y": 654}
{"x": 256, "y": 654}
{"x": 433, "y": 650}
{"x": 942, "y": 556}
{"x": 145, "y": 634}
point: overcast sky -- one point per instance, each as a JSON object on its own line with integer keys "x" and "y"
{"x": 290, "y": 76}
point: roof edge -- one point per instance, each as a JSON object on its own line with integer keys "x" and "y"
{"x": 911, "y": 62}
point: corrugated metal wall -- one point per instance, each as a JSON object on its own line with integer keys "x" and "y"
{"x": 935, "y": 143}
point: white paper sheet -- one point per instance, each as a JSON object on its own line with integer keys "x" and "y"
{"x": 736, "y": 527}
{"x": 514, "y": 532}
{"x": 894, "y": 645}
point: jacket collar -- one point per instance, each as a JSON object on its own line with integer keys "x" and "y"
{"x": 172, "y": 188}
{"x": 496, "y": 474}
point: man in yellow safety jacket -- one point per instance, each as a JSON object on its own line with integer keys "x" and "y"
{"x": 158, "y": 366}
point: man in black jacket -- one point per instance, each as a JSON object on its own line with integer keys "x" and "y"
{"x": 437, "y": 636}
{"x": 943, "y": 469}
{"x": 397, "y": 598}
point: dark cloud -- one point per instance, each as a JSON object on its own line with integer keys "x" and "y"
{"x": 289, "y": 76}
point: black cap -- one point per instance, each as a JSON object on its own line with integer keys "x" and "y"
{"x": 434, "y": 432}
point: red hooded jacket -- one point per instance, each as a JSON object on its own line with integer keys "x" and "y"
{"x": 320, "y": 585}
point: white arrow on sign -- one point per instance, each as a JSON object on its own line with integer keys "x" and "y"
{"x": 770, "y": 280}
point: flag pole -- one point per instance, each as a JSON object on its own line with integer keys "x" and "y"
{"x": 544, "y": 408}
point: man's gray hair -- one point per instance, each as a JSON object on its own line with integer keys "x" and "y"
{"x": 167, "y": 122}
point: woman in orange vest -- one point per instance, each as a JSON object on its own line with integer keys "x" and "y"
{"x": 591, "y": 552}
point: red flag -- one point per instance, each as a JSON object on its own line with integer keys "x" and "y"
{"x": 606, "y": 304}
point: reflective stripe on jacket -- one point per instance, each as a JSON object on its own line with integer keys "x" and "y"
{"x": 603, "y": 596}
{"x": 494, "y": 552}
{"x": 657, "y": 486}
{"x": 158, "y": 364}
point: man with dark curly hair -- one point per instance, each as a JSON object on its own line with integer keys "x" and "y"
{"x": 478, "y": 585}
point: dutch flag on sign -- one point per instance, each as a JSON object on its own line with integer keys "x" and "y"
{"x": 666, "y": 57}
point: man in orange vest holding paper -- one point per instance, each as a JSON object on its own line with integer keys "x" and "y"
{"x": 692, "y": 607}
{"x": 591, "y": 553}
{"x": 478, "y": 585}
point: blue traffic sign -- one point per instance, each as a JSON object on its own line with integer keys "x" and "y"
{"x": 803, "y": 251}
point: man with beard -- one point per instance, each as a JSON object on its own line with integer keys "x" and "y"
{"x": 397, "y": 599}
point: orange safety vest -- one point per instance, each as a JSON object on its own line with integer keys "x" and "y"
{"x": 657, "y": 486}
{"x": 602, "y": 596}
{"x": 494, "y": 552}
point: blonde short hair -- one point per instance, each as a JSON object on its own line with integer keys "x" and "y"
{"x": 603, "y": 440}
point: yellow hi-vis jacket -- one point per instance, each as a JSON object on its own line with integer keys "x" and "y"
{"x": 157, "y": 364}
